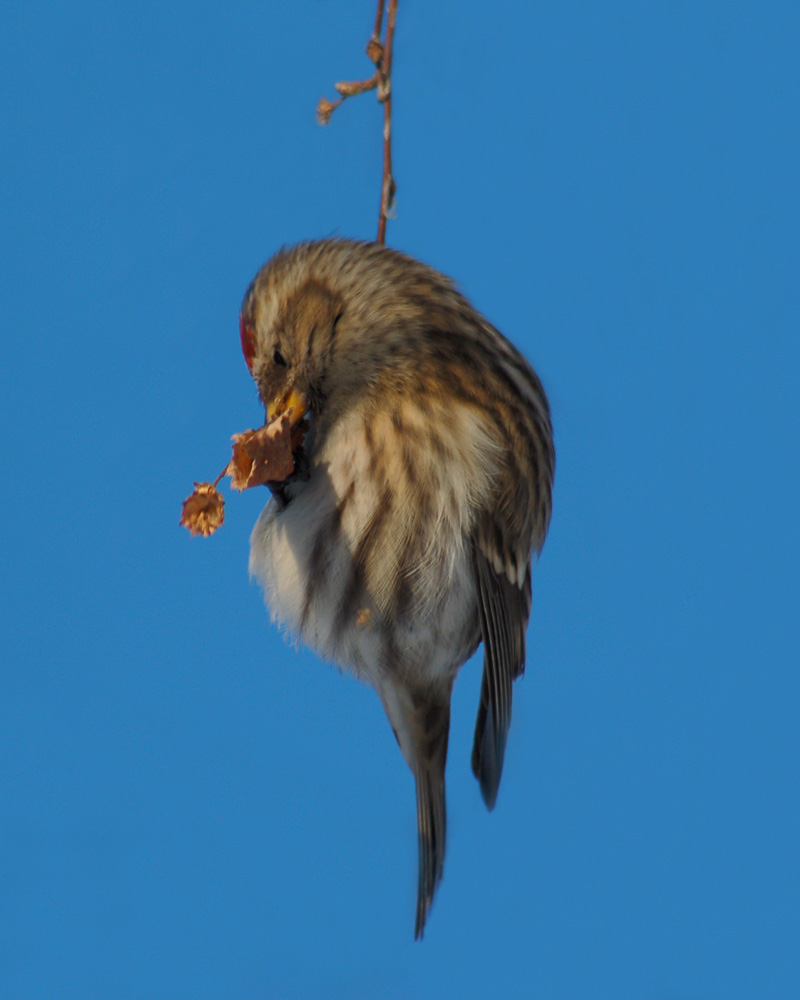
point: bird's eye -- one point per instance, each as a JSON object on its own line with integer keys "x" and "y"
{"x": 279, "y": 359}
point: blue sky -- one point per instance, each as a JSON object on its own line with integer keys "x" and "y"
{"x": 189, "y": 808}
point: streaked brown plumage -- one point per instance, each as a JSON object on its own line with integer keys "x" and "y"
{"x": 404, "y": 538}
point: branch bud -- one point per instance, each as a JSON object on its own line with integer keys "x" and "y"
{"x": 349, "y": 89}
{"x": 324, "y": 110}
{"x": 375, "y": 51}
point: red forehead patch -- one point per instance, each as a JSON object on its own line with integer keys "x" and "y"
{"x": 248, "y": 342}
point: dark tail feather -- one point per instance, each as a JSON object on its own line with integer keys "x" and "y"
{"x": 420, "y": 718}
{"x": 432, "y": 728}
{"x": 432, "y": 829}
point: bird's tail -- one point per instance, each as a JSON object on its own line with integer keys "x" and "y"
{"x": 420, "y": 719}
{"x": 431, "y": 829}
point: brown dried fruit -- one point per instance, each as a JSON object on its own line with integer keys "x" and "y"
{"x": 262, "y": 456}
{"x": 204, "y": 511}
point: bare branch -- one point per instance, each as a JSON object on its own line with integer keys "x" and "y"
{"x": 376, "y": 31}
{"x": 380, "y": 53}
{"x": 388, "y": 186}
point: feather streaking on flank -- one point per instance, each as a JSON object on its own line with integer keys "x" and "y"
{"x": 404, "y": 537}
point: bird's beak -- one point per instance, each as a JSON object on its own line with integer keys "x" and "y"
{"x": 293, "y": 405}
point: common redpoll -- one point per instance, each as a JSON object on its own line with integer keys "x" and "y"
{"x": 404, "y": 537}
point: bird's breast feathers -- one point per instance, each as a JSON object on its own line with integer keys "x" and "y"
{"x": 379, "y": 535}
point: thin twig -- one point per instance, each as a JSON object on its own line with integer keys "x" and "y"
{"x": 376, "y": 31}
{"x": 385, "y": 95}
{"x": 381, "y": 55}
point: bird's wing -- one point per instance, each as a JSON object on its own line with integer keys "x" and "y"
{"x": 504, "y": 607}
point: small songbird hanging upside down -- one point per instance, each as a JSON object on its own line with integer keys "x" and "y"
{"x": 403, "y": 538}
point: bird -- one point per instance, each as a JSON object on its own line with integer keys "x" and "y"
{"x": 422, "y": 489}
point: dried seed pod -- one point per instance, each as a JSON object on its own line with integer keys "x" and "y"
{"x": 262, "y": 456}
{"x": 204, "y": 511}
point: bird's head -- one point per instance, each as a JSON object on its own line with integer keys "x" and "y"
{"x": 288, "y": 335}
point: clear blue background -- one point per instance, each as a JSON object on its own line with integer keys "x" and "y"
{"x": 189, "y": 808}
